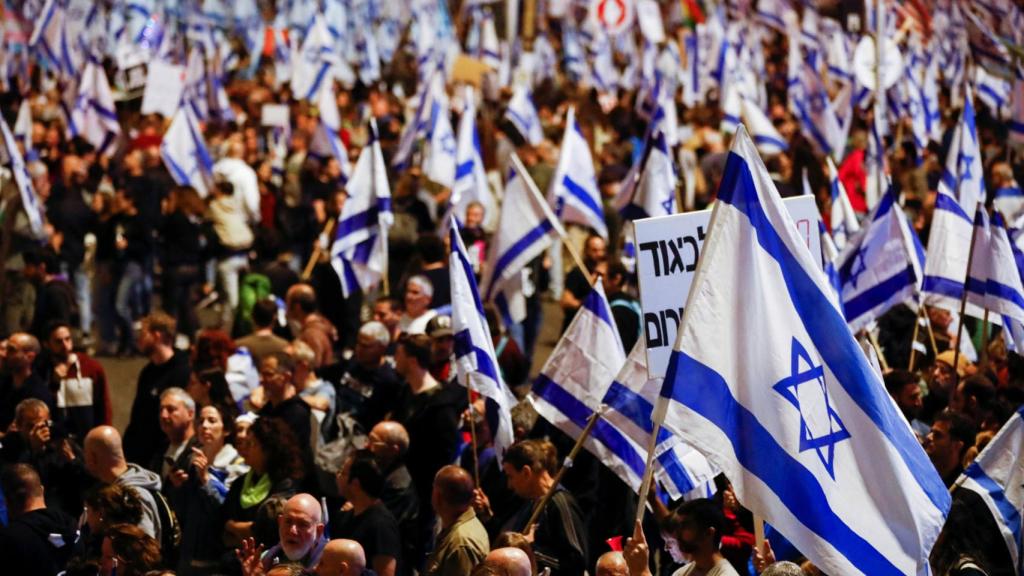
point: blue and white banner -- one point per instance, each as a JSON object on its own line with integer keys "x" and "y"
{"x": 50, "y": 37}
{"x": 525, "y": 231}
{"x": 470, "y": 178}
{"x": 767, "y": 381}
{"x": 475, "y": 360}
{"x": 881, "y": 266}
{"x": 523, "y": 115}
{"x": 312, "y": 65}
{"x": 574, "y": 194}
{"x": 359, "y": 253}
{"x": 654, "y": 194}
{"x": 439, "y": 162}
{"x": 16, "y": 163}
{"x": 768, "y": 140}
{"x": 184, "y": 152}
{"x": 997, "y": 476}
{"x": 94, "y": 116}
{"x": 961, "y": 189}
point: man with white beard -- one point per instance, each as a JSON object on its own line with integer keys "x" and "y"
{"x": 301, "y": 530}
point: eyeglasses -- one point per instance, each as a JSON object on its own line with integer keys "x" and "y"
{"x": 43, "y": 424}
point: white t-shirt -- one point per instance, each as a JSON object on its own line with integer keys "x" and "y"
{"x": 722, "y": 568}
{"x": 246, "y": 185}
{"x": 416, "y": 325}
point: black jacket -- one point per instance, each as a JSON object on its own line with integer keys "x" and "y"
{"x": 40, "y": 542}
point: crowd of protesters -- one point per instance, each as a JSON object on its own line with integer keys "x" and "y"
{"x": 279, "y": 427}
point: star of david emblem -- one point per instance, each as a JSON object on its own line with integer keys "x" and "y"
{"x": 818, "y": 102}
{"x": 965, "y": 162}
{"x": 448, "y": 144}
{"x": 913, "y": 108}
{"x": 667, "y": 205}
{"x": 858, "y": 268}
{"x": 820, "y": 426}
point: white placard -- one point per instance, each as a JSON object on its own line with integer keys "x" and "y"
{"x": 275, "y": 115}
{"x": 613, "y": 16}
{"x": 648, "y": 15}
{"x": 667, "y": 248}
{"x": 164, "y": 84}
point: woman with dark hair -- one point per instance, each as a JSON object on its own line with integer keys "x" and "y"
{"x": 212, "y": 349}
{"x": 105, "y": 506}
{"x": 128, "y": 551}
{"x": 211, "y": 387}
{"x": 275, "y": 468}
{"x": 560, "y": 540}
{"x": 182, "y": 255}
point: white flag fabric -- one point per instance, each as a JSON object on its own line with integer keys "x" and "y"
{"x": 14, "y": 160}
{"x": 359, "y": 253}
{"x": 575, "y": 378}
{"x": 655, "y": 192}
{"x": 881, "y": 266}
{"x": 767, "y": 381}
{"x": 630, "y": 400}
{"x": 326, "y": 142}
{"x": 94, "y": 116}
{"x": 312, "y": 65}
{"x": 574, "y": 194}
{"x": 475, "y": 360}
{"x": 525, "y": 231}
{"x": 51, "y": 38}
{"x": 981, "y": 260}
{"x": 185, "y": 154}
{"x": 23, "y": 128}
{"x": 439, "y": 163}
{"x": 809, "y": 101}
{"x": 470, "y": 178}
{"x": 523, "y": 115}
{"x": 843, "y": 218}
{"x": 961, "y": 189}
{"x": 1004, "y": 291}
{"x": 766, "y": 137}
{"x": 417, "y": 126}
{"x": 997, "y": 476}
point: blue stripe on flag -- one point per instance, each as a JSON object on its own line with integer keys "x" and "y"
{"x": 821, "y": 320}
{"x": 1010, "y": 515}
{"x": 581, "y": 195}
{"x": 762, "y": 139}
{"x": 519, "y": 246}
{"x": 603, "y": 432}
{"x": 943, "y": 286}
{"x": 634, "y": 407}
{"x": 949, "y": 204}
{"x": 464, "y": 169}
{"x": 464, "y": 346}
{"x": 595, "y": 304}
{"x": 676, "y": 472}
{"x": 1004, "y": 292}
{"x": 877, "y": 295}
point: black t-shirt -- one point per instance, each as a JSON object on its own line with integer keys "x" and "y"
{"x": 296, "y": 414}
{"x": 441, "y": 282}
{"x": 143, "y": 438}
{"x": 376, "y": 529}
{"x": 365, "y": 393}
{"x": 576, "y": 283}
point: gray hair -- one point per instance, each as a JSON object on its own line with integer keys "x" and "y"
{"x": 27, "y": 406}
{"x": 303, "y": 352}
{"x": 38, "y": 169}
{"x": 377, "y": 331}
{"x": 424, "y": 283}
{"x": 783, "y": 568}
{"x": 181, "y": 395}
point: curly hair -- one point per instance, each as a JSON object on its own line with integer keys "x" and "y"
{"x": 116, "y": 504}
{"x": 280, "y": 447}
{"x": 137, "y": 551}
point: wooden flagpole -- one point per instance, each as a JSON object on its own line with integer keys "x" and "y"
{"x": 317, "y": 250}
{"x": 913, "y": 339}
{"x": 963, "y": 301}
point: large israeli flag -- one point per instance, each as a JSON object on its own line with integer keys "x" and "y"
{"x": 843, "y": 219}
{"x": 525, "y": 231}
{"x": 50, "y": 37}
{"x": 997, "y": 476}
{"x": 654, "y": 193}
{"x": 94, "y": 116}
{"x": 359, "y": 253}
{"x": 14, "y": 160}
{"x": 470, "y": 178}
{"x": 475, "y": 360}
{"x": 768, "y": 382}
{"x": 575, "y": 378}
{"x": 630, "y": 400}
{"x": 574, "y": 193}
{"x": 961, "y": 189}
{"x": 184, "y": 152}
{"x": 881, "y": 266}
{"x": 523, "y": 115}
{"x": 312, "y": 66}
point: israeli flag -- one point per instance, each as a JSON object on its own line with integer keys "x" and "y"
{"x": 961, "y": 189}
{"x": 997, "y": 476}
{"x": 525, "y": 231}
{"x": 1004, "y": 292}
{"x": 766, "y": 137}
{"x": 326, "y": 142}
{"x": 476, "y": 363}
{"x": 980, "y": 261}
{"x": 23, "y": 129}
{"x": 417, "y": 126}
{"x": 767, "y": 381}
{"x": 654, "y": 194}
{"x": 314, "y": 61}
{"x": 470, "y": 178}
{"x": 573, "y": 381}
{"x": 993, "y": 91}
{"x": 14, "y": 160}
{"x": 574, "y": 193}
{"x": 50, "y": 37}
{"x": 843, "y": 219}
{"x": 94, "y": 116}
{"x": 184, "y": 152}
{"x": 811, "y": 105}
{"x": 881, "y": 266}
{"x": 1009, "y": 199}
{"x": 439, "y": 163}
{"x": 630, "y": 400}
{"x": 523, "y": 115}
{"x": 359, "y": 253}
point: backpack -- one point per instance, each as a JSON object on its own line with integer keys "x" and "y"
{"x": 170, "y": 529}
{"x": 254, "y": 287}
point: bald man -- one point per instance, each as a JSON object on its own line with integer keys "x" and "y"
{"x": 104, "y": 460}
{"x": 463, "y": 541}
{"x": 611, "y": 564}
{"x": 301, "y": 529}
{"x": 342, "y": 558}
{"x": 389, "y": 442}
{"x": 511, "y": 561}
